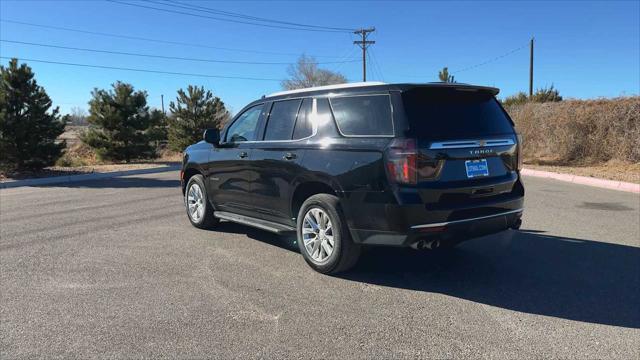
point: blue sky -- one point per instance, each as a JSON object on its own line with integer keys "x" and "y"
{"x": 586, "y": 49}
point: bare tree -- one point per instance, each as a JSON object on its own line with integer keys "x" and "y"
{"x": 77, "y": 116}
{"x": 306, "y": 73}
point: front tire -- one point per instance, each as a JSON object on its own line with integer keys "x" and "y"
{"x": 199, "y": 210}
{"x": 323, "y": 236}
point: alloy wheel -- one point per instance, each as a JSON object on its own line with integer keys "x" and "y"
{"x": 317, "y": 234}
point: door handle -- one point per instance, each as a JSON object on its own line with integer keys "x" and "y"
{"x": 243, "y": 155}
{"x": 289, "y": 156}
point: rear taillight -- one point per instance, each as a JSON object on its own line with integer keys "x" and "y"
{"x": 402, "y": 158}
{"x": 519, "y": 154}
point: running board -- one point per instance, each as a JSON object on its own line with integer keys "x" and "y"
{"x": 257, "y": 223}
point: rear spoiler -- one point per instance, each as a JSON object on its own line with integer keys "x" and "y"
{"x": 458, "y": 86}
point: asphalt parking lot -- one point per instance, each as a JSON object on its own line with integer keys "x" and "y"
{"x": 113, "y": 269}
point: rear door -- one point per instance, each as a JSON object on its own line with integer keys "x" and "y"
{"x": 466, "y": 143}
{"x": 277, "y": 156}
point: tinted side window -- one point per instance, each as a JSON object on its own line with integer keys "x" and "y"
{"x": 281, "y": 120}
{"x": 363, "y": 115}
{"x": 245, "y": 127}
{"x": 303, "y": 127}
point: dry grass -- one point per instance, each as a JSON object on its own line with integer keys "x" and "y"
{"x": 579, "y": 132}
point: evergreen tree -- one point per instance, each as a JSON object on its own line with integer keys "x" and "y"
{"x": 194, "y": 111}
{"x": 444, "y": 76}
{"x": 121, "y": 125}
{"x": 28, "y": 125}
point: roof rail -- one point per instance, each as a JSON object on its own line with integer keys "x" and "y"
{"x": 328, "y": 87}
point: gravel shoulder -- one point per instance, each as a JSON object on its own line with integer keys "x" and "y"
{"x": 54, "y": 171}
{"x": 618, "y": 171}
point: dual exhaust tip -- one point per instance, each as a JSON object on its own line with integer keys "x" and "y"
{"x": 434, "y": 244}
{"x": 426, "y": 244}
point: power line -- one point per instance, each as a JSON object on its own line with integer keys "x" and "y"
{"x": 490, "y": 60}
{"x": 142, "y": 70}
{"x": 221, "y": 19}
{"x": 242, "y": 16}
{"x": 374, "y": 60}
{"x": 159, "y": 56}
{"x": 347, "y": 55}
{"x": 128, "y": 37}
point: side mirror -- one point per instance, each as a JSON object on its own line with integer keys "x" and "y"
{"x": 212, "y": 136}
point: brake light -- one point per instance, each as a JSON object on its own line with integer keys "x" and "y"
{"x": 402, "y": 159}
{"x": 519, "y": 154}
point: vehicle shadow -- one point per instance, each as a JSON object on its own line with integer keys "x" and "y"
{"x": 120, "y": 183}
{"x": 286, "y": 242}
{"x": 526, "y": 271}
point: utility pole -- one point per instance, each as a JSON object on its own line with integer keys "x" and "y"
{"x": 531, "y": 69}
{"x": 363, "y": 45}
{"x": 162, "y": 102}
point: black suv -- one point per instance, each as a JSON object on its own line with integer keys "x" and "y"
{"x": 345, "y": 166}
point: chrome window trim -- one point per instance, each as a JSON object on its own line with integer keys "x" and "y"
{"x": 467, "y": 220}
{"x": 314, "y": 129}
{"x": 461, "y": 144}
{"x": 393, "y": 126}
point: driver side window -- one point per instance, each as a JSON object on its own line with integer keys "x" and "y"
{"x": 245, "y": 128}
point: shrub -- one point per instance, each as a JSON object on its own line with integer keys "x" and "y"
{"x": 519, "y": 98}
{"x": 541, "y": 95}
{"x": 549, "y": 94}
{"x": 579, "y": 131}
{"x": 28, "y": 125}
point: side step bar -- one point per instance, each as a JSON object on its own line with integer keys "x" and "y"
{"x": 257, "y": 223}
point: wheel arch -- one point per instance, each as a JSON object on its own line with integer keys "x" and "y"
{"x": 305, "y": 190}
{"x": 187, "y": 174}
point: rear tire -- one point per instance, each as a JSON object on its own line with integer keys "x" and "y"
{"x": 323, "y": 236}
{"x": 199, "y": 210}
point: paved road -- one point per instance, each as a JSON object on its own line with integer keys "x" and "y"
{"x": 112, "y": 268}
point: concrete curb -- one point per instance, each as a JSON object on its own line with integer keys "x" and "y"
{"x": 584, "y": 180}
{"x": 85, "y": 177}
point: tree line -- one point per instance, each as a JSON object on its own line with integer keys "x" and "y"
{"x": 122, "y": 127}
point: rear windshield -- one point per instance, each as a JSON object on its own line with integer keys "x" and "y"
{"x": 450, "y": 114}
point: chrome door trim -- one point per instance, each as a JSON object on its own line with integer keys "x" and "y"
{"x": 461, "y": 144}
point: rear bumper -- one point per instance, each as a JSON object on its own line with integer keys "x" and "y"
{"x": 446, "y": 232}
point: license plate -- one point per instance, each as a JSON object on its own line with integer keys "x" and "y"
{"x": 477, "y": 168}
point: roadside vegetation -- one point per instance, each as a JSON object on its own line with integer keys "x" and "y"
{"x": 579, "y": 132}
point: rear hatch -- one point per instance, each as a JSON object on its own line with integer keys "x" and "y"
{"x": 465, "y": 143}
